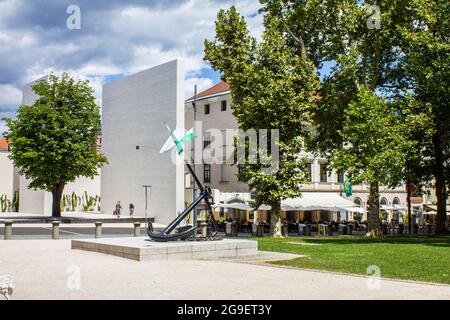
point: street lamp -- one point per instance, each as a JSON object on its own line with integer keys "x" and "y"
{"x": 146, "y": 187}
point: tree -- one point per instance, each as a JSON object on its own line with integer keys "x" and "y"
{"x": 272, "y": 87}
{"x": 375, "y": 149}
{"x": 54, "y": 140}
{"x": 361, "y": 42}
{"x": 426, "y": 64}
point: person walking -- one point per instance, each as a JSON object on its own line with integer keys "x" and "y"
{"x": 131, "y": 210}
{"x": 118, "y": 208}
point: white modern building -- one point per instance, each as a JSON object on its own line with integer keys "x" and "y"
{"x": 134, "y": 113}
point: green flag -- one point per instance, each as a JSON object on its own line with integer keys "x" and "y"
{"x": 348, "y": 186}
{"x": 176, "y": 139}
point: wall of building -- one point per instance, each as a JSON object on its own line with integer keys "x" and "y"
{"x": 6, "y": 175}
{"x": 218, "y": 119}
{"x": 223, "y": 177}
{"x": 134, "y": 111}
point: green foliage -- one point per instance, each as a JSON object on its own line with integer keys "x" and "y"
{"x": 426, "y": 65}
{"x": 54, "y": 140}
{"x": 375, "y": 149}
{"x": 368, "y": 97}
{"x": 272, "y": 87}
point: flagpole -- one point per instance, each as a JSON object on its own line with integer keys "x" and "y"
{"x": 194, "y": 189}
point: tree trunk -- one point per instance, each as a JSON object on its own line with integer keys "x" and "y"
{"x": 408, "y": 199}
{"x": 438, "y": 172}
{"x": 57, "y": 195}
{"x": 275, "y": 220}
{"x": 374, "y": 210}
{"x": 441, "y": 217}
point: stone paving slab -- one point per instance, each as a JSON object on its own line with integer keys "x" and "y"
{"x": 143, "y": 249}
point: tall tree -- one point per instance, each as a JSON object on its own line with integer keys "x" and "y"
{"x": 426, "y": 64}
{"x": 54, "y": 140}
{"x": 361, "y": 43}
{"x": 272, "y": 87}
{"x": 375, "y": 148}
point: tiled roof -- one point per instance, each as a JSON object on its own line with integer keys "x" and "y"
{"x": 218, "y": 88}
{"x": 3, "y": 144}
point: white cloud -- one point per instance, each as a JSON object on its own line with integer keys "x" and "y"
{"x": 116, "y": 38}
{"x": 202, "y": 84}
{"x": 10, "y": 96}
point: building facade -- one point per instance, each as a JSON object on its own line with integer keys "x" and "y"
{"x": 214, "y": 109}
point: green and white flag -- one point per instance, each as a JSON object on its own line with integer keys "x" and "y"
{"x": 348, "y": 186}
{"x": 176, "y": 139}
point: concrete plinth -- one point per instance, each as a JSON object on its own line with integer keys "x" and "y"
{"x": 143, "y": 249}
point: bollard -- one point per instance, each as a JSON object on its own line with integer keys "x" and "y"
{"x": 349, "y": 229}
{"x": 204, "y": 228}
{"x": 8, "y": 230}
{"x": 137, "y": 229}
{"x": 55, "y": 230}
{"x": 98, "y": 229}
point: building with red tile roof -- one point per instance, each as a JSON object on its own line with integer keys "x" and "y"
{"x": 219, "y": 89}
{"x": 4, "y": 144}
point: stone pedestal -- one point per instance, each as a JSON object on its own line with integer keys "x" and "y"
{"x": 140, "y": 249}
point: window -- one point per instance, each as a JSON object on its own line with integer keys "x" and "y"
{"x": 309, "y": 171}
{"x": 323, "y": 172}
{"x": 223, "y": 105}
{"x": 340, "y": 178}
{"x": 206, "y": 173}
{"x": 206, "y": 139}
{"x": 241, "y": 168}
{"x": 207, "y": 108}
{"x": 358, "y": 202}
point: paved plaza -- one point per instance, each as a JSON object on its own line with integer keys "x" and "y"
{"x": 49, "y": 269}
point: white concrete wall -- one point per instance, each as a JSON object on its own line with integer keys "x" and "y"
{"x": 6, "y": 175}
{"x": 133, "y": 113}
{"x": 31, "y": 201}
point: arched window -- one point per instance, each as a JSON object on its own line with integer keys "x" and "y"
{"x": 383, "y": 202}
{"x": 358, "y": 202}
{"x": 396, "y": 201}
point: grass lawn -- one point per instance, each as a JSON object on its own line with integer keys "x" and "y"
{"x": 422, "y": 258}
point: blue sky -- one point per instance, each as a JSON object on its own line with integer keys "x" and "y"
{"x": 116, "y": 38}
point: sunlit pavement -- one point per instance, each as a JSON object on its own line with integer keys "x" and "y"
{"x": 49, "y": 269}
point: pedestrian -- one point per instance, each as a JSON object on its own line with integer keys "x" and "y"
{"x": 131, "y": 210}
{"x": 118, "y": 208}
